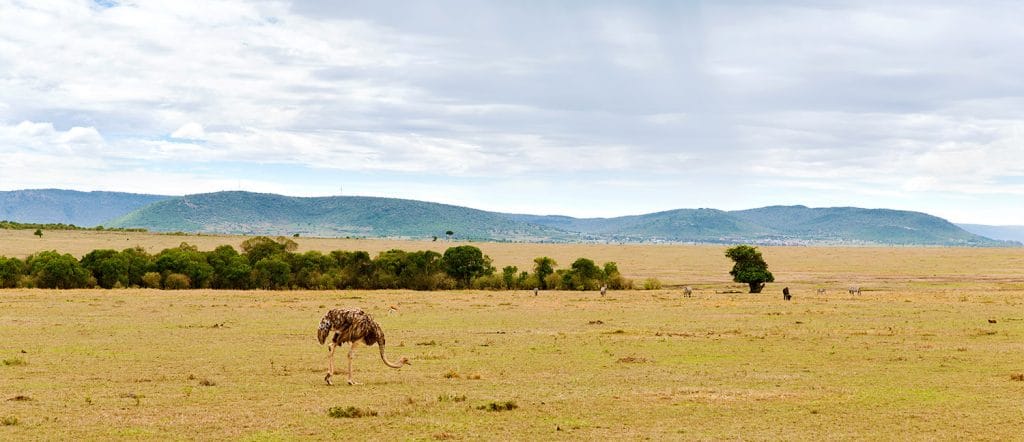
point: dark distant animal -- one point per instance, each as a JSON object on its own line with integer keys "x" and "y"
{"x": 687, "y": 291}
{"x": 785, "y": 294}
{"x": 352, "y": 325}
{"x": 854, "y": 290}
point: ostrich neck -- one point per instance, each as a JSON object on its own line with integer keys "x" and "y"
{"x": 385, "y": 359}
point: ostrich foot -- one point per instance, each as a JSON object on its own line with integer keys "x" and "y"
{"x": 328, "y": 379}
{"x": 351, "y": 382}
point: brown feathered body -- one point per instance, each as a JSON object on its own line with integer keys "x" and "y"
{"x": 354, "y": 325}
{"x": 350, "y": 325}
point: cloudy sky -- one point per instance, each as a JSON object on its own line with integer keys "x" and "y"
{"x": 584, "y": 108}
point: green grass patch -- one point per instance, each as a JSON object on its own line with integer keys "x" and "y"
{"x": 350, "y": 412}
{"x": 15, "y": 361}
{"x": 498, "y": 406}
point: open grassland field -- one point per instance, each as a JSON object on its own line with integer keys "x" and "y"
{"x": 932, "y": 349}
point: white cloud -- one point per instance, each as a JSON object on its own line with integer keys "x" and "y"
{"x": 851, "y": 102}
{"x": 190, "y": 131}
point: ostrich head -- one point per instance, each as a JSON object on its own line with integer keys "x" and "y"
{"x": 323, "y": 331}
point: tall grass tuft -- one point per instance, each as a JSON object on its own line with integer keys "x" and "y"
{"x": 350, "y": 412}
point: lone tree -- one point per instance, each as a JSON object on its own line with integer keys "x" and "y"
{"x": 750, "y": 267}
{"x": 543, "y": 266}
{"x": 39, "y": 233}
{"x": 463, "y": 263}
{"x": 449, "y": 234}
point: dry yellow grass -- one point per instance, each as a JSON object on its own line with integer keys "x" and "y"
{"x": 931, "y": 350}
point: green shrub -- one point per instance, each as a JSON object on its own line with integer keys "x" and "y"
{"x": 489, "y": 282}
{"x": 177, "y": 281}
{"x": 350, "y": 412}
{"x": 151, "y": 280}
{"x": 652, "y": 284}
{"x": 499, "y": 406}
{"x": 52, "y": 270}
{"x": 11, "y": 271}
{"x": 15, "y": 361}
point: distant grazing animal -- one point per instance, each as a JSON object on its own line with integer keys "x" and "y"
{"x": 821, "y": 291}
{"x": 352, "y": 325}
{"x": 687, "y": 291}
{"x": 604, "y": 290}
{"x": 535, "y": 291}
{"x": 854, "y": 290}
{"x": 785, "y": 294}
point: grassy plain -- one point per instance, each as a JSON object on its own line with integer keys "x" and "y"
{"x": 916, "y": 356}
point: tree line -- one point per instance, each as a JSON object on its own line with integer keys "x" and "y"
{"x": 39, "y": 227}
{"x": 272, "y": 264}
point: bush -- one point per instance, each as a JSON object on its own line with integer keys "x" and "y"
{"x": 177, "y": 281}
{"x": 51, "y": 270}
{"x": 464, "y": 263}
{"x": 553, "y": 281}
{"x": 11, "y": 271}
{"x": 272, "y": 273}
{"x": 489, "y": 282}
{"x": 187, "y": 260}
{"x": 531, "y": 282}
{"x": 617, "y": 282}
{"x": 151, "y": 280}
{"x": 652, "y": 284}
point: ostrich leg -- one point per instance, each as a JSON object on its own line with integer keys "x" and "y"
{"x": 351, "y": 352}
{"x": 330, "y": 369}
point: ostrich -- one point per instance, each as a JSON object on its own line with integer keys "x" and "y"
{"x": 352, "y": 325}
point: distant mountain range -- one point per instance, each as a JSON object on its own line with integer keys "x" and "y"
{"x": 248, "y": 213}
{"x": 1003, "y": 233}
{"x": 83, "y": 209}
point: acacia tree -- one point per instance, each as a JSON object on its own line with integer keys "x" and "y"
{"x": 463, "y": 263}
{"x": 749, "y": 268}
{"x": 543, "y": 266}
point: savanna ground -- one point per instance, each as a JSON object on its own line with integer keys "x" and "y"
{"x": 915, "y": 356}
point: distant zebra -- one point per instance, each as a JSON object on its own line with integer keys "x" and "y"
{"x": 855, "y": 290}
{"x": 687, "y": 291}
{"x": 604, "y": 290}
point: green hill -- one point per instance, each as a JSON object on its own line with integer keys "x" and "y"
{"x": 775, "y": 225}
{"x": 83, "y": 209}
{"x": 267, "y": 214}
{"x": 856, "y": 225}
